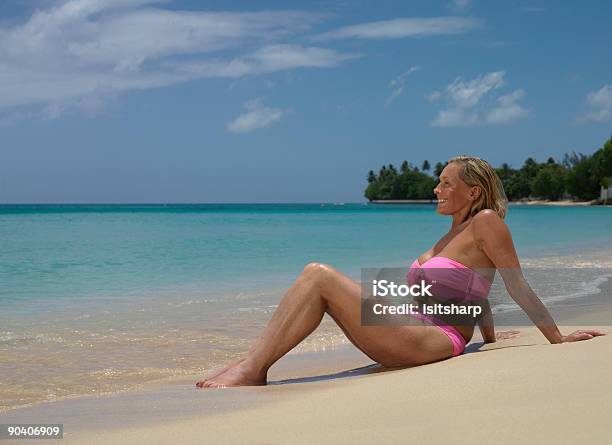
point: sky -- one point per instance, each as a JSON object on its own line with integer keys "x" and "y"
{"x": 149, "y": 101}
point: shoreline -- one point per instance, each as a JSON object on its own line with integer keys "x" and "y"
{"x": 340, "y": 396}
{"x": 175, "y": 398}
{"x": 303, "y": 366}
{"x": 329, "y": 333}
{"x": 559, "y": 203}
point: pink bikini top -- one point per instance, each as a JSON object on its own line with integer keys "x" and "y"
{"x": 450, "y": 280}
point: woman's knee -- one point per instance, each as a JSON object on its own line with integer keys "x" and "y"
{"x": 316, "y": 270}
{"x": 319, "y": 275}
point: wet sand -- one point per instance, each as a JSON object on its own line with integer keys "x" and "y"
{"x": 522, "y": 389}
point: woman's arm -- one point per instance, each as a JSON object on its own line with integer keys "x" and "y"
{"x": 487, "y": 327}
{"x": 485, "y": 324}
{"x": 493, "y": 238}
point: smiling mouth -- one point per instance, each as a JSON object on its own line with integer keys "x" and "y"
{"x": 442, "y": 201}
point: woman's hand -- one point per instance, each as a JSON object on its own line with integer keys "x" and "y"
{"x": 582, "y": 334}
{"x": 504, "y": 335}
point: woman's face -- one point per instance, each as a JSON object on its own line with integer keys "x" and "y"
{"x": 453, "y": 194}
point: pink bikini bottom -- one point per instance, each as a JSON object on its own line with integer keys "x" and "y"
{"x": 451, "y": 332}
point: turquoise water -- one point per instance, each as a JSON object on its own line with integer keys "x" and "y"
{"x": 102, "y": 298}
{"x": 59, "y": 253}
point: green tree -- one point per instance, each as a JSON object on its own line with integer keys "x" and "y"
{"x": 517, "y": 186}
{"x": 371, "y": 177}
{"x": 438, "y": 169}
{"x": 425, "y": 188}
{"x": 371, "y": 191}
{"x": 409, "y": 184}
{"x": 582, "y": 179}
{"x": 549, "y": 182}
{"x": 530, "y": 169}
{"x": 603, "y": 161}
{"x": 578, "y": 174}
{"x": 505, "y": 172}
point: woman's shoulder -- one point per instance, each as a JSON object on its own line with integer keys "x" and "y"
{"x": 487, "y": 221}
{"x": 487, "y": 216}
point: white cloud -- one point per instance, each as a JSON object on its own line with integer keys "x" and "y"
{"x": 466, "y": 104}
{"x": 257, "y": 116}
{"x": 264, "y": 60}
{"x": 79, "y": 49}
{"x": 397, "y": 84}
{"x": 465, "y": 94}
{"x": 599, "y": 105}
{"x": 403, "y": 27}
{"x": 455, "y": 117}
{"x": 460, "y": 5}
{"x": 507, "y": 109}
{"x": 433, "y": 96}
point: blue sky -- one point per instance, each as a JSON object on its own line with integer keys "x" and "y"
{"x": 119, "y": 101}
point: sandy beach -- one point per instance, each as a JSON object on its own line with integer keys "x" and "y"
{"x": 200, "y": 193}
{"x": 521, "y": 389}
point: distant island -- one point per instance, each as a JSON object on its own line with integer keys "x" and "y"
{"x": 578, "y": 177}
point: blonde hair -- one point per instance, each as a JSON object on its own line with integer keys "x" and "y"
{"x": 477, "y": 172}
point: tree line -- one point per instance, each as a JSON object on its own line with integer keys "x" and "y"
{"x": 577, "y": 175}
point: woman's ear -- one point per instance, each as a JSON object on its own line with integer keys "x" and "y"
{"x": 475, "y": 192}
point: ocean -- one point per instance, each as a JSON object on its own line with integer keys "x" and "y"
{"x": 105, "y": 298}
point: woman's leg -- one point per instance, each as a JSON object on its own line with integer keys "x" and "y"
{"x": 320, "y": 289}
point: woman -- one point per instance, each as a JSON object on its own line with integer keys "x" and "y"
{"x": 472, "y": 194}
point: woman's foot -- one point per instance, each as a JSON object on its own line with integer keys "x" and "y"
{"x": 221, "y": 371}
{"x": 237, "y": 374}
